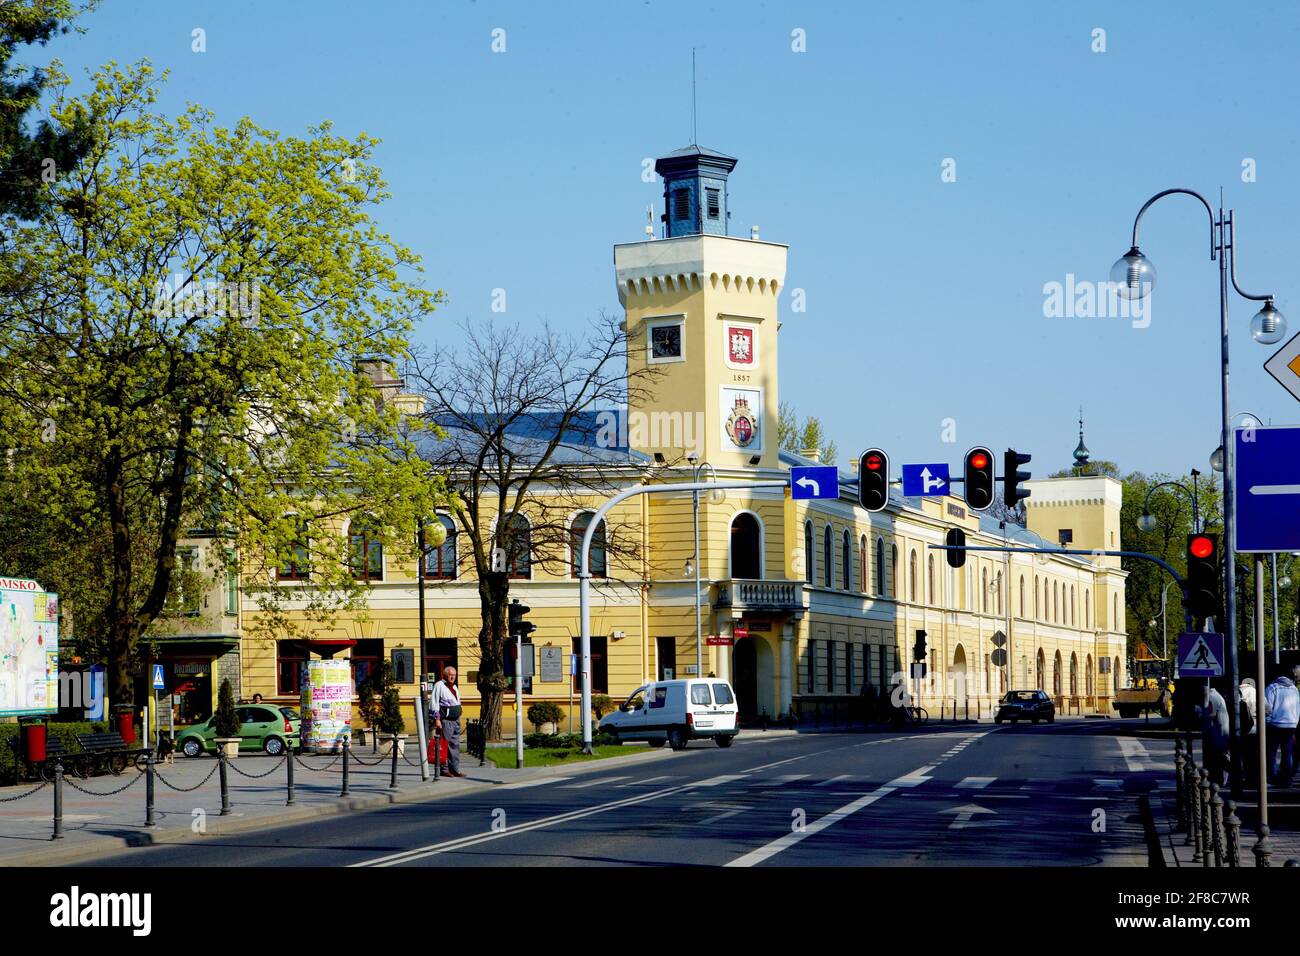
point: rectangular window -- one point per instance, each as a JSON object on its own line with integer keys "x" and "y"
{"x": 289, "y": 658}
{"x": 830, "y": 667}
{"x": 232, "y": 584}
{"x": 439, "y": 654}
{"x": 681, "y": 204}
{"x": 667, "y": 658}
{"x": 187, "y": 593}
{"x": 722, "y": 694}
{"x": 298, "y": 565}
{"x": 715, "y": 207}
{"x": 366, "y": 656}
{"x": 700, "y": 694}
{"x": 812, "y": 667}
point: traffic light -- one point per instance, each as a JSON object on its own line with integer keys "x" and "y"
{"x": 1012, "y": 476}
{"x": 519, "y": 627}
{"x": 956, "y": 538}
{"x": 918, "y": 649}
{"x": 979, "y": 478}
{"x": 873, "y": 480}
{"x": 1204, "y": 596}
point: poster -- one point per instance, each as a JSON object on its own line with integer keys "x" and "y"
{"x": 326, "y": 705}
{"x": 29, "y": 648}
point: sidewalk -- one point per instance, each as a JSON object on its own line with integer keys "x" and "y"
{"x": 105, "y": 815}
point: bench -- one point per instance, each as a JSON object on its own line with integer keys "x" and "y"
{"x": 110, "y": 750}
{"x": 54, "y": 751}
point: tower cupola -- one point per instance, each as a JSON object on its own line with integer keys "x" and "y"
{"x": 695, "y": 191}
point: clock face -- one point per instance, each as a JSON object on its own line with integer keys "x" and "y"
{"x": 666, "y": 341}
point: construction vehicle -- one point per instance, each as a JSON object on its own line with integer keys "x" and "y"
{"x": 1151, "y": 689}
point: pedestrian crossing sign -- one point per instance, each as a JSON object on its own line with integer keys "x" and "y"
{"x": 1200, "y": 655}
{"x": 158, "y": 682}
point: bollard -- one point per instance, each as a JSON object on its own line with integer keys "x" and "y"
{"x": 1232, "y": 826}
{"x": 149, "y": 820}
{"x": 1207, "y": 856}
{"x": 1180, "y": 791}
{"x": 1194, "y": 805}
{"x": 58, "y": 801}
{"x": 288, "y": 755}
{"x": 225, "y": 788}
{"x": 1263, "y": 849}
{"x": 1216, "y": 823}
{"x": 347, "y": 748}
{"x": 392, "y": 780}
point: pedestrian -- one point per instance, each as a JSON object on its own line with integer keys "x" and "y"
{"x": 257, "y": 698}
{"x": 1249, "y": 724}
{"x": 1214, "y": 735}
{"x": 444, "y": 708}
{"x": 1283, "y": 710}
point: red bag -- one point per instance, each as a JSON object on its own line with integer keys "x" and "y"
{"x": 441, "y": 757}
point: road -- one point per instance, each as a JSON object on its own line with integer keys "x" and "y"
{"x": 1064, "y": 794}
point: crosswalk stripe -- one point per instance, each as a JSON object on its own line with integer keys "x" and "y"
{"x": 975, "y": 783}
{"x": 593, "y": 783}
{"x": 827, "y": 783}
{"x": 645, "y": 780}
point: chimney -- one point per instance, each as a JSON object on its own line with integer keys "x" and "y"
{"x": 813, "y": 454}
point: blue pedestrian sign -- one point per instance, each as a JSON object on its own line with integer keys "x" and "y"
{"x": 920, "y": 481}
{"x": 814, "y": 481}
{"x": 1268, "y": 488}
{"x": 158, "y": 683}
{"x": 1200, "y": 655}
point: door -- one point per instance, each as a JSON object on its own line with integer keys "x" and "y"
{"x": 745, "y": 677}
{"x": 632, "y": 716}
{"x": 254, "y": 724}
{"x": 667, "y": 657}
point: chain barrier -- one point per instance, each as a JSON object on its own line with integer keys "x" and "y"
{"x": 95, "y": 793}
{"x": 368, "y": 763}
{"x": 306, "y": 766}
{"x": 157, "y": 773}
{"x": 257, "y": 776}
{"x": 37, "y": 789}
{"x": 410, "y": 762}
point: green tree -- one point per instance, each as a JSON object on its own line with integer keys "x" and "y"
{"x": 227, "y": 721}
{"x": 32, "y": 158}
{"x": 797, "y": 436}
{"x": 180, "y": 344}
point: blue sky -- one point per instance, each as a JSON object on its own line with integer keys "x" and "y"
{"x": 519, "y": 170}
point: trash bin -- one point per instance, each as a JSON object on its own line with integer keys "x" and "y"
{"x": 124, "y": 719}
{"x": 34, "y": 741}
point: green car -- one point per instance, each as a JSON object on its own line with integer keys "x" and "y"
{"x": 261, "y": 727}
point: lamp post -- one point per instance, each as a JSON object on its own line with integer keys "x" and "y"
{"x": 693, "y": 565}
{"x": 1134, "y": 276}
{"x": 1147, "y": 521}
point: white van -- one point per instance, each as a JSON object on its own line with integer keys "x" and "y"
{"x": 676, "y": 712}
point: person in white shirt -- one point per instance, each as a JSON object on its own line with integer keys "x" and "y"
{"x": 1283, "y": 706}
{"x": 444, "y": 708}
{"x": 1214, "y": 735}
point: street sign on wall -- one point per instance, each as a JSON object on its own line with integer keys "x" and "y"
{"x": 1267, "y": 493}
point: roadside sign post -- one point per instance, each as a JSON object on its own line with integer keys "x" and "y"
{"x": 158, "y": 684}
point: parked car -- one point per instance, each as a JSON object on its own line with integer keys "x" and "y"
{"x": 261, "y": 727}
{"x": 1033, "y": 705}
{"x": 676, "y": 712}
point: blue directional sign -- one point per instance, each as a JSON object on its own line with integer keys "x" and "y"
{"x": 1268, "y": 488}
{"x": 928, "y": 479}
{"x": 1200, "y": 655}
{"x": 158, "y": 682}
{"x": 814, "y": 481}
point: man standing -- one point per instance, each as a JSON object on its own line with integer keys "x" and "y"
{"x": 444, "y": 708}
{"x": 1282, "y": 701}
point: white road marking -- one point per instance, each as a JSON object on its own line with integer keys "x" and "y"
{"x": 715, "y": 781}
{"x": 975, "y": 783}
{"x": 778, "y": 781}
{"x": 594, "y": 783}
{"x": 913, "y": 779}
{"x": 1102, "y": 784}
{"x": 965, "y": 814}
{"x": 1135, "y": 755}
{"x": 827, "y": 783}
{"x": 638, "y": 783}
{"x": 523, "y": 784}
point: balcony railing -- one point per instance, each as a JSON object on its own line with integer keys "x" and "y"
{"x": 761, "y": 595}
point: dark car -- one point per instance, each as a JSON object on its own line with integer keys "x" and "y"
{"x": 1033, "y": 705}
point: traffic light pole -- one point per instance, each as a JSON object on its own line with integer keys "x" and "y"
{"x": 584, "y": 572}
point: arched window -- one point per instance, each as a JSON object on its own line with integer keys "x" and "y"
{"x": 828, "y": 557}
{"x": 1072, "y": 597}
{"x": 893, "y": 570}
{"x": 440, "y": 562}
{"x": 297, "y": 565}
{"x": 863, "y": 571}
{"x": 1037, "y": 609}
{"x": 847, "y": 559}
{"x": 365, "y": 550}
{"x": 597, "y": 561}
{"x": 1056, "y": 675}
{"x": 746, "y": 547}
{"x": 808, "y": 551}
{"x": 1074, "y": 674}
{"x": 1040, "y": 669}
{"x": 1115, "y": 623}
{"x": 1056, "y": 604}
{"x": 880, "y": 567}
{"x": 1087, "y": 678}
{"x": 929, "y": 580}
{"x": 911, "y": 584}
{"x": 999, "y": 590}
{"x": 1087, "y": 608}
{"x": 1022, "y": 602}
{"x": 517, "y": 539}
{"x": 1114, "y": 669}
{"x": 984, "y": 590}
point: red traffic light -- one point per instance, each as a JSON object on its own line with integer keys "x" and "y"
{"x": 1201, "y": 547}
{"x": 979, "y": 460}
{"x": 873, "y": 462}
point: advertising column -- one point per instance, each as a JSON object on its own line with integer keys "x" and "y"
{"x": 326, "y": 705}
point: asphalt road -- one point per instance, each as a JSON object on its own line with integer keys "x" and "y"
{"x": 1064, "y": 794}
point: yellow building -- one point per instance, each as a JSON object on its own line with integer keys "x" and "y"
{"x": 804, "y": 602}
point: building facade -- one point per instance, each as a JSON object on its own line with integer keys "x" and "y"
{"x": 802, "y": 603}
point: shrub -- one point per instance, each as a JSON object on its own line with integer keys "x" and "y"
{"x": 602, "y": 705}
{"x": 227, "y": 722}
{"x": 367, "y": 703}
{"x": 544, "y": 712}
{"x": 389, "y": 719}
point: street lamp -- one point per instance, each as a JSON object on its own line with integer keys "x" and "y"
{"x": 1216, "y": 459}
{"x": 1138, "y": 276}
{"x": 693, "y": 563}
{"x": 1147, "y": 521}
